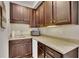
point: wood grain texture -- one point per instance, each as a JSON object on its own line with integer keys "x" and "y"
{"x": 20, "y": 14}
{"x": 20, "y": 48}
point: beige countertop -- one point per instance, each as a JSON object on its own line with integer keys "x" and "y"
{"x": 66, "y": 32}
{"x": 59, "y": 45}
{"x": 21, "y": 37}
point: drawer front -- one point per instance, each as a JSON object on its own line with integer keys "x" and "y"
{"x": 20, "y": 41}
{"x": 48, "y": 56}
{"x": 40, "y": 53}
{"x": 53, "y": 53}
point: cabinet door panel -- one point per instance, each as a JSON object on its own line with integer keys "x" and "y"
{"x": 48, "y": 12}
{"x": 15, "y": 50}
{"x": 41, "y": 51}
{"x": 62, "y": 11}
{"x": 16, "y": 13}
{"x": 30, "y": 15}
{"x": 20, "y": 14}
{"x": 37, "y": 18}
{"x": 42, "y": 16}
{"x": 14, "y": 10}
{"x": 25, "y": 15}
{"x": 20, "y": 49}
{"x": 33, "y": 20}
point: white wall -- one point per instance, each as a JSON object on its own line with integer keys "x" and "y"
{"x": 4, "y": 34}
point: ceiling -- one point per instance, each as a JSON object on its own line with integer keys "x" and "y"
{"x": 31, "y": 4}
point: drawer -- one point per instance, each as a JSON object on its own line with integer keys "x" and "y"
{"x": 48, "y": 56}
{"x": 40, "y": 53}
{"x": 20, "y": 41}
{"x": 53, "y": 53}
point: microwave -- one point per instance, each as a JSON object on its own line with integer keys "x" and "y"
{"x": 35, "y": 32}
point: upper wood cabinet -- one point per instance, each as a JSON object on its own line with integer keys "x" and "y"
{"x": 14, "y": 12}
{"x": 42, "y": 14}
{"x": 20, "y": 14}
{"x": 62, "y": 12}
{"x": 38, "y": 23}
{"x": 48, "y": 12}
{"x": 53, "y": 12}
{"x": 33, "y": 20}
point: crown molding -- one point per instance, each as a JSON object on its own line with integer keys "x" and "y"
{"x": 34, "y": 6}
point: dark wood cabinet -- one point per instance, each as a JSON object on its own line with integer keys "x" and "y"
{"x": 33, "y": 20}
{"x": 62, "y": 12}
{"x": 14, "y": 14}
{"x": 20, "y": 48}
{"x": 37, "y": 19}
{"x": 20, "y": 14}
{"x": 25, "y": 15}
{"x": 48, "y": 12}
{"x": 42, "y": 15}
{"x": 30, "y": 15}
{"x": 41, "y": 50}
{"x": 53, "y": 12}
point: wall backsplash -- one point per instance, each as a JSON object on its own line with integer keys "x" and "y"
{"x": 69, "y": 31}
{"x": 20, "y": 29}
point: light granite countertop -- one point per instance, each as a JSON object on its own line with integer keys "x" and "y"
{"x": 60, "y": 45}
{"x": 21, "y": 37}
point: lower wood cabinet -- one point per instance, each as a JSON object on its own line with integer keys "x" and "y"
{"x": 41, "y": 52}
{"x": 20, "y": 48}
{"x": 52, "y": 53}
{"x": 47, "y": 52}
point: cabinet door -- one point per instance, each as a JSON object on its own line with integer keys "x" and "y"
{"x": 20, "y": 48}
{"x": 48, "y": 12}
{"x": 37, "y": 18}
{"x": 61, "y": 12}
{"x": 16, "y": 50}
{"x": 42, "y": 15}
{"x": 32, "y": 21}
{"x": 20, "y": 14}
{"x": 25, "y": 15}
{"x": 29, "y": 15}
{"x": 14, "y": 12}
{"x": 41, "y": 51}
